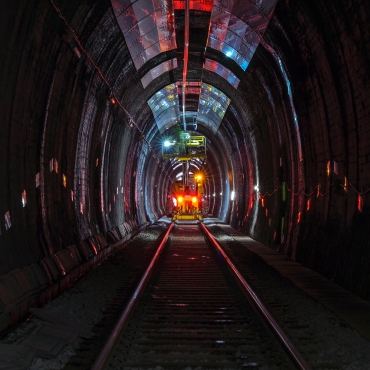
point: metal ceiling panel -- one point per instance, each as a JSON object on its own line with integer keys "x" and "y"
{"x": 222, "y": 71}
{"x": 214, "y": 43}
{"x": 150, "y": 38}
{"x": 233, "y": 80}
{"x": 225, "y": 4}
{"x": 211, "y": 65}
{"x": 148, "y": 27}
{"x": 142, "y": 8}
{"x": 147, "y": 24}
{"x": 165, "y": 107}
{"x": 137, "y": 49}
{"x": 233, "y": 40}
{"x": 119, "y": 6}
{"x": 161, "y": 19}
{"x": 162, "y": 5}
{"x": 229, "y": 51}
{"x": 152, "y": 51}
{"x": 251, "y": 38}
{"x": 220, "y": 17}
{"x": 236, "y": 27}
{"x": 140, "y": 60}
{"x": 127, "y": 19}
{"x": 212, "y": 106}
{"x": 246, "y": 50}
{"x": 133, "y": 36}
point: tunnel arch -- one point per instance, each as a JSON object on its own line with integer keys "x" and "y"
{"x": 84, "y": 166}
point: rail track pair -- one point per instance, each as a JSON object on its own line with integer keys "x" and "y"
{"x": 192, "y": 309}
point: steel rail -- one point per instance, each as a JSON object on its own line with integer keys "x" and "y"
{"x": 105, "y": 353}
{"x": 274, "y": 325}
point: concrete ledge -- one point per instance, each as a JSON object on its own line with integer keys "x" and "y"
{"x": 36, "y": 284}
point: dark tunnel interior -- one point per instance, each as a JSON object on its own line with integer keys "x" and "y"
{"x": 288, "y": 163}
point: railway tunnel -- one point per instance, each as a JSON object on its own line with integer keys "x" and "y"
{"x": 90, "y": 89}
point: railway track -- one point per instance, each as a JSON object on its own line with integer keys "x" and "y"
{"x": 188, "y": 312}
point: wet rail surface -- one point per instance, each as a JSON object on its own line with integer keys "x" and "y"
{"x": 193, "y": 315}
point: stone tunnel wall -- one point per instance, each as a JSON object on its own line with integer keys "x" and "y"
{"x": 63, "y": 151}
{"x": 325, "y": 50}
{"x": 68, "y": 151}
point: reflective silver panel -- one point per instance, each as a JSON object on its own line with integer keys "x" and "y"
{"x": 213, "y": 104}
{"x": 158, "y": 70}
{"x": 236, "y": 27}
{"x": 148, "y": 27}
{"x": 120, "y": 6}
{"x": 222, "y": 71}
{"x": 165, "y": 107}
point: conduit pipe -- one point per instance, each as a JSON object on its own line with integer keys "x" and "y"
{"x": 186, "y": 57}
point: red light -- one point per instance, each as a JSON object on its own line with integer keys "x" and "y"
{"x": 360, "y": 202}
{"x": 113, "y": 101}
{"x": 308, "y": 205}
{"x": 299, "y": 217}
{"x": 263, "y": 202}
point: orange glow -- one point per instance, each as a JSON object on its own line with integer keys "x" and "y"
{"x": 179, "y": 199}
{"x": 318, "y": 190}
{"x": 360, "y": 202}
{"x": 194, "y": 199}
{"x": 308, "y": 205}
{"x": 263, "y": 202}
{"x": 299, "y": 217}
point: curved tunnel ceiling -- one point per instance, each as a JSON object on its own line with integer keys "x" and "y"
{"x": 234, "y": 29}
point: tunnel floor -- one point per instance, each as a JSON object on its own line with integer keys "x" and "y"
{"x": 339, "y": 314}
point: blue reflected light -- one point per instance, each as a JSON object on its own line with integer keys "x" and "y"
{"x": 212, "y": 106}
{"x": 165, "y": 107}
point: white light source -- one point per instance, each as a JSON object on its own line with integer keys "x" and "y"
{"x": 257, "y": 188}
{"x": 167, "y": 143}
{"x": 232, "y": 197}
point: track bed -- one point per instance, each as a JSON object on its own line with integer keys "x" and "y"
{"x": 194, "y": 316}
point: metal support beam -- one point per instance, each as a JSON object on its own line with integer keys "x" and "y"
{"x": 186, "y": 57}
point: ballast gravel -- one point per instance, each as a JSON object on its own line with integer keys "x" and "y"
{"x": 84, "y": 302}
{"x": 325, "y": 340}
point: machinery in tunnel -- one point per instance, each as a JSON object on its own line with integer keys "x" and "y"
{"x": 279, "y": 94}
{"x": 187, "y": 192}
